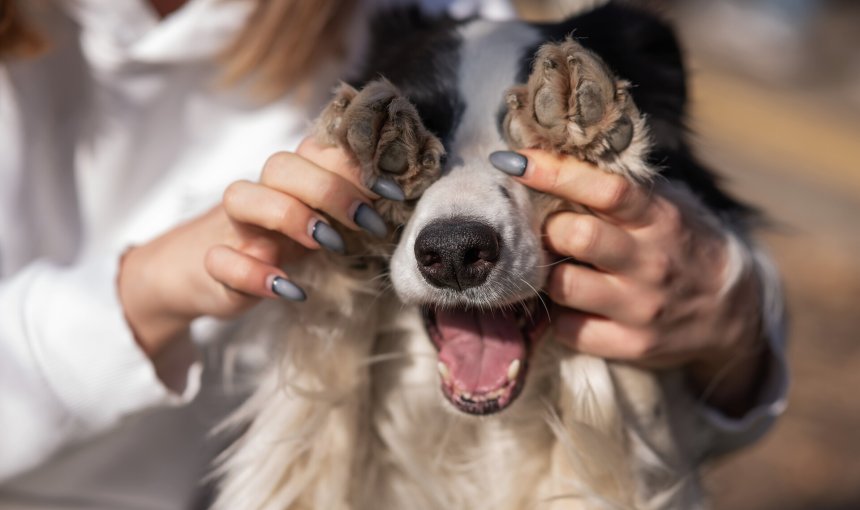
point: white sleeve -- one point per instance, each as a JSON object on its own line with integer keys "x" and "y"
{"x": 69, "y": 365}
{"x": 729, "y": 433}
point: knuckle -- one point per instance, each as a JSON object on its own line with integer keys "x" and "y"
{"x": 563, "y": 285}
{"x": 211, "y": 262}
{"x": 282, "y": 216}
{"x": 585, "y": 236}
{"x": 328, "y": 192}
{"x": 643, "y": 345}
{"x": 240, "y": 273}
{"x": 660, "y": 268}
{"x": 651, "y": 309}
{"x": 233, "y": 195}
{"x": 554, "y": 182}
{"x": 673, "y": 220}
{"x": 276, "y": 163}
{"x": 224, "y": 266}
{"x": 616, "y": 193}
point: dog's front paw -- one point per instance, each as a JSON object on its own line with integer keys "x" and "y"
{"x": 382, "y": 131}
{"x": 573, "y": 104}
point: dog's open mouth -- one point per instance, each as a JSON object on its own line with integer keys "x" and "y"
{"x": 484, "y": 354}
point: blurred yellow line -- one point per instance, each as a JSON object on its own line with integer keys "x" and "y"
{"x": 809, "y": 142}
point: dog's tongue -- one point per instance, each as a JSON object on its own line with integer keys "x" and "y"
{"x": 479, "y": 347}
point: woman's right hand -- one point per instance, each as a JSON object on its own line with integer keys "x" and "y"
{"x": 224, "y": 261}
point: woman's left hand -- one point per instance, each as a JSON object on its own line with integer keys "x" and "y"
{"x": 654, "y": 290}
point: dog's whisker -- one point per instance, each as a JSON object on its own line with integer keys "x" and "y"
{"x": 395, "y": 356}
{"x": 560, "y": 261}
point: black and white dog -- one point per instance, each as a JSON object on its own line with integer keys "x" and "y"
{"x": 350, "y": 414}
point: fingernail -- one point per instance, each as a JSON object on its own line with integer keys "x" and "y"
{"x": 328, "y": 237}
{"x": 509, "y": 162}
{"x": 287, "y": 289}
{"x": 389, "y": 189}
{"x": 370, "y": 220}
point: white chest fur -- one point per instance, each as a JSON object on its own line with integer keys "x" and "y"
{"x": 352, "y": 418}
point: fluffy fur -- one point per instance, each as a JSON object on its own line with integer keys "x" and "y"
{"x": 349, "y": 415}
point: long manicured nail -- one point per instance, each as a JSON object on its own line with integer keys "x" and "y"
{"x": 370, "y": 220}
{"x": 509, "y": 162}
{"x": 328, "y": 237}
{"x": 389, "y": 189}
{"x": 287, "y": 289}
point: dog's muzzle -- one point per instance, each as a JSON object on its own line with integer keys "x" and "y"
{"x": 483, "y": 350}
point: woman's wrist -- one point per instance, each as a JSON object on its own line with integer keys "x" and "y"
{"x": 729, "y": 376}
{"x": 147, "y": 311}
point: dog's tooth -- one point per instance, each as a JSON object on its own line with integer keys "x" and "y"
{"x": 514, "y": 370}
{"x": 443, "y": 371}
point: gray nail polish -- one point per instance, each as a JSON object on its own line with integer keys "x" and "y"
{"x": 328, "y": 237}
{"x": 389, "y": 189}
{"x": 509, "y": 162}
{"x": 287, "y": 289}
{"x": 370, "y": 220}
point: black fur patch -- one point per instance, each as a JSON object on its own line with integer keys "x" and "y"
{"x": 419, "y": 54}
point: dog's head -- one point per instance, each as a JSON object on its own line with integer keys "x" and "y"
{"x": 471, "y": 255}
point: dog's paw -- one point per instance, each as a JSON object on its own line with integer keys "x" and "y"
{"x": 382, "y": 131}
{"x": 573, "y": 104}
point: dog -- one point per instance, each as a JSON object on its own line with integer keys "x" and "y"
{"x": 422, "y": 373}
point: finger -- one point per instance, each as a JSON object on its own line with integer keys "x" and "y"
{"x": 334, "y": 159}
{"x": 258, "y": 205}
{"x": 598, "y": 293}
{"x": 247, "y": 275}
{"x": 322, "y": 190}
{"x": 584, "y": 289}
{"x": 567, "y": 177}
{"x": 604, "y": 338}
{"x": 590, "y": 239}
{"x": 338, "y": 161}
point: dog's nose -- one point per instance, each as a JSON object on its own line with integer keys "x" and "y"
{"x": 457, "y": 253}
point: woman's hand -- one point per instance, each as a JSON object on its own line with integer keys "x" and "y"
{"x": 654, "y": 290}
{"x": 225, "y": 261}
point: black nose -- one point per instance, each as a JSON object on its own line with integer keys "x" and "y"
{"x": 457, "y": 253}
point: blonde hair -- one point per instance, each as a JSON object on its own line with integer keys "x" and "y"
{"x": 17, "y": 38}
{"x": 280, "y": 46}
{"x": 284, "y": 41}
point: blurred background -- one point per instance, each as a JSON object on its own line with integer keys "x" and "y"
{"x": 775, "y": 89}
{"x": 776, "y": 109}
